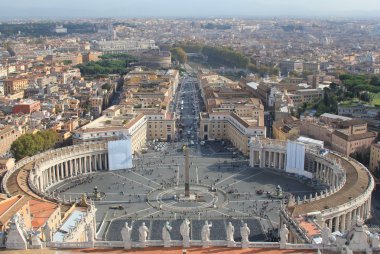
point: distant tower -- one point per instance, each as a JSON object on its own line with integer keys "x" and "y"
{"x": 114, "y": 35}
{"x": 110, "y": 31}
{"x": 315, "y": 81}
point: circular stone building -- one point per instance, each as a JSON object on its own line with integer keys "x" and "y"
{"x": 344, "y": 185}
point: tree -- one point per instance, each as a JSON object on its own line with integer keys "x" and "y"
{"x": 31, "y": 144}
{"x": 106, "y": 86}
{"x": 365, "y": 96}
{"x": 67, "y": 62}
{"x": 179, "y": 54}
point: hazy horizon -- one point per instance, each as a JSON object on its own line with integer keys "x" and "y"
{"x": 52, "y": 9}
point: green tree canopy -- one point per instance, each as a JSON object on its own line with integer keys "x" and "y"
{"x": 31, "y": 144}
{"x": 179, "y": 54}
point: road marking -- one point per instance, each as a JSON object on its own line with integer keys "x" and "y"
{"x": 228, "y": 215}
{"x": 126, "y": 178}
{"x": 143, "y": 210}
{"x": 150, "y": 180}
{"x": 246, "y": 178}
{"x": 140, "y": 218}
{"x": 196, "y": 172}
{"x": 231, "y": 176}
{"x": 237, "y": 211}
{"x": 177, "y": 175}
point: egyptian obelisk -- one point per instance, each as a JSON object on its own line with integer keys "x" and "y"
{"x": 187, "y": 174}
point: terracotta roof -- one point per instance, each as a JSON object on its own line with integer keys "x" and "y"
{"x": 41, "y": 212}
{"x": 10, "y": 206}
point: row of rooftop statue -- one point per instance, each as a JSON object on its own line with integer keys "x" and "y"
{"x": 143, "y": 231}
{"x": 358, "y": 238}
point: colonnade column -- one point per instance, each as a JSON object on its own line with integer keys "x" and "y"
{"x": 343, "y": 224}
{"x": 337, "y": 223}
{"x": 330, "y": 224}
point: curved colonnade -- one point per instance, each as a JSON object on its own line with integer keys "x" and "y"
{"x": 347, "y": 184}
{"x": 52, "y": 167}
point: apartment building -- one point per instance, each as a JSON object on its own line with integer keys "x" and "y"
{"x": 72, "y": 58}
{"x": 14, "y": 85}
{"x": 26, "y": 107}
{"x": 305, "y": 96}
{"x": 8, "y": 134}
{"x": 138, "y": 127}
{"x": 287, "y": 128}
{"x": 374, "y": 163}
{"x": 228, "y": 125}
{"x": 342, "y": 134}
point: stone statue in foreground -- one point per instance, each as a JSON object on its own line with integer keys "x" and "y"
{"x": 230, "y": 232}
{"x": 230, "y": 235}
{"x": 166, "y": 234}
{"x": 185, "y": 232}
{"x": 205, "y": 233}
{"x": 126, "y": 233}
{"x": 143, "y": 233}
{"x": 284, "y": 234}
{"x": 245, "y": 232}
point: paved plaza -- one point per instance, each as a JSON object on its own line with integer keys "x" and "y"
{"x": 227, "y": 190}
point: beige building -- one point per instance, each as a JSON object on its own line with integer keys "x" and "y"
{"x": 72, "y": 58}
{"x": 286, "y": 129}
{"x": 15, "y": 85}
{"x": 8, "y": 134}
{"x": 342, "y": 134}
{"x": 117, "y": 124}
{"x": 305, "y": 96}
{"x": 230, "y": 126}
{"x": 150, "y": 89}
{"x": 375, "y": 157}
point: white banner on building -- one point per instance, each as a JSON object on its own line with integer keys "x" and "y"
{"x": 120, "y": 154}
{"x": 295, "y": 159}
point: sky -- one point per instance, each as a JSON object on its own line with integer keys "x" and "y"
{"x": 50, "y": 9}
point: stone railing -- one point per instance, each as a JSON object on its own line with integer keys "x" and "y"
{"x": 194, "y": 243}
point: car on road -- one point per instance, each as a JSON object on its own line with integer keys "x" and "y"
{"x": 117, "y": 207}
